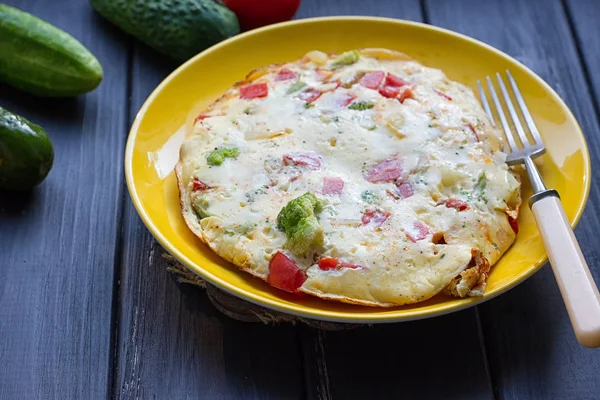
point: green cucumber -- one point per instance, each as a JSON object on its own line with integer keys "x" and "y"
{"x": 26, "y": 153}
{"x": 179, "y": 29}
{"x": 41, "y": 59}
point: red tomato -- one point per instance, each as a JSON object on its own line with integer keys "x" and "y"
{"x": 328, "y": 263}
{"x": 455, "y": 203}
{"x": 389, "y": 92}
{"x": 395, "y": 81}
{"x": 387, "y": 170}
{"x": 375, "y": 218}
{"x": 418, "y": 231}
{"x": 372, "y": 80}
{"x": 309, "y": 95}
{"x": 405, "y": 190}
{"x": 256, "y": 13}
{"x": 333, "y": 186}
{"x": 308, "y": 159}
{"x": 513, "y": 224}
{"x": 285, "y": 74}
{"x": 285, "y": 274}
{"x": 254, "y": 91}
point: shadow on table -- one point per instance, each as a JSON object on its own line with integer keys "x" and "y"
{"x": 40, "y": 109}
{"x": 16, "y": 203}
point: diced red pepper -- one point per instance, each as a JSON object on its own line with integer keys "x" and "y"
{"x": 333, "y": 186}
{"x": 389, "y": 92}
{"x": 328, "y": 263}
{"x": 513, "y": 224}
{"x": 331, "y": 263}
{"x": 406, "y": 94}
{"x": 254, "y": 91}
{"x": 395, "y": 81}
{"x": 303, "y": 158}
{"x": 418, "y": 231}
{"x": 406, "y": 190}
{"x": 375, "y": 218}
{"x": 309, "y": 95}
{"x": 386, "y": 170}
{"x": 372, "y": 80}
{"x": 198, "y": 185}
{"x": 284, "y": 274}
{"x": 454, "y": 203}
{"x": 345, "y": 99}
{"x": 444, "y": 95}
{"x": 285, "y": 74}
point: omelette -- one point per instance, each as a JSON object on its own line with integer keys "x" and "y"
{"x": 362, "y": 177}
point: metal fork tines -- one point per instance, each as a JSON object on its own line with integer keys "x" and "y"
{"x": 527, "y": 150}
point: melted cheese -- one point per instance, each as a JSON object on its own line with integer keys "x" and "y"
{"x": 441, "y": 136}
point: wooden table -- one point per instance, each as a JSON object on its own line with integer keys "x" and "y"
{"x": 88, "y": 310}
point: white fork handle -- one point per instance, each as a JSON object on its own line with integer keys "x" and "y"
{"x": 573, "y": 276}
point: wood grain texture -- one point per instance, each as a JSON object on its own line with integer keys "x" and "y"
{"x": 403, "y": 9}
{"x": 172, "y": 343}
{"x": 531, "y": 347}
{"x": 389, "y": 361}
{"x": 438, "y": 358}
{"x": 584, "y": 16}
{"x": 57, "y": 243}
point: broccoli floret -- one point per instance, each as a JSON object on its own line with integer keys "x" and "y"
{"x": 299, "y": 222}
{"x": 217, "y": 156}
{"x": 347, "y": 58}
{"x": 361, "y": 105}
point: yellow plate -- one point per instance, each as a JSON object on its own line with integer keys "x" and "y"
{"x": 158, "y": 130}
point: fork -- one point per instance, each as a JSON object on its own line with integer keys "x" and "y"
{"x": 576, "y": 284}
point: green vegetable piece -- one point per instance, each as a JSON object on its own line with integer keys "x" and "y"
{"x": 26, "y": 153}
{"x": 200, "y": 206}
{"x": 480, "y": 186}
{"x": 361, "y": 105}
{"x": 466, "y": 194}
{"x": 299, "y": 222}
{"x": 294, "y": 87}
{"x": 39, "y": 58}
{"x": 308, "y": 105}
{"x": 481, "y": 183}
{"x": 368, "y": 196}
{"x": 178, "y": 29}
{"x": 347, "y": 58}
{"x": 216, "y": 157}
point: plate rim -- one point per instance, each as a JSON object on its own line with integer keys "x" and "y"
{"x": 337, "y": 316}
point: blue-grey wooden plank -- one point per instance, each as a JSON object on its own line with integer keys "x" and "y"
{"x": 57, "y": 243}
{"x": 404, "y": 360}
{"x": 172, "y": 343}
{"x": 584, "y": 16}
{"x": 532, "y": 350}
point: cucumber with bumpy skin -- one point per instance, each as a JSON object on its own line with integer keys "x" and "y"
{"x": 39, "y": 58}
{"x": 177, "y": 28}
{"x": 26, "y": 153}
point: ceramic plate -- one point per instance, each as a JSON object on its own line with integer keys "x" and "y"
{"x": 166, "y": 116}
